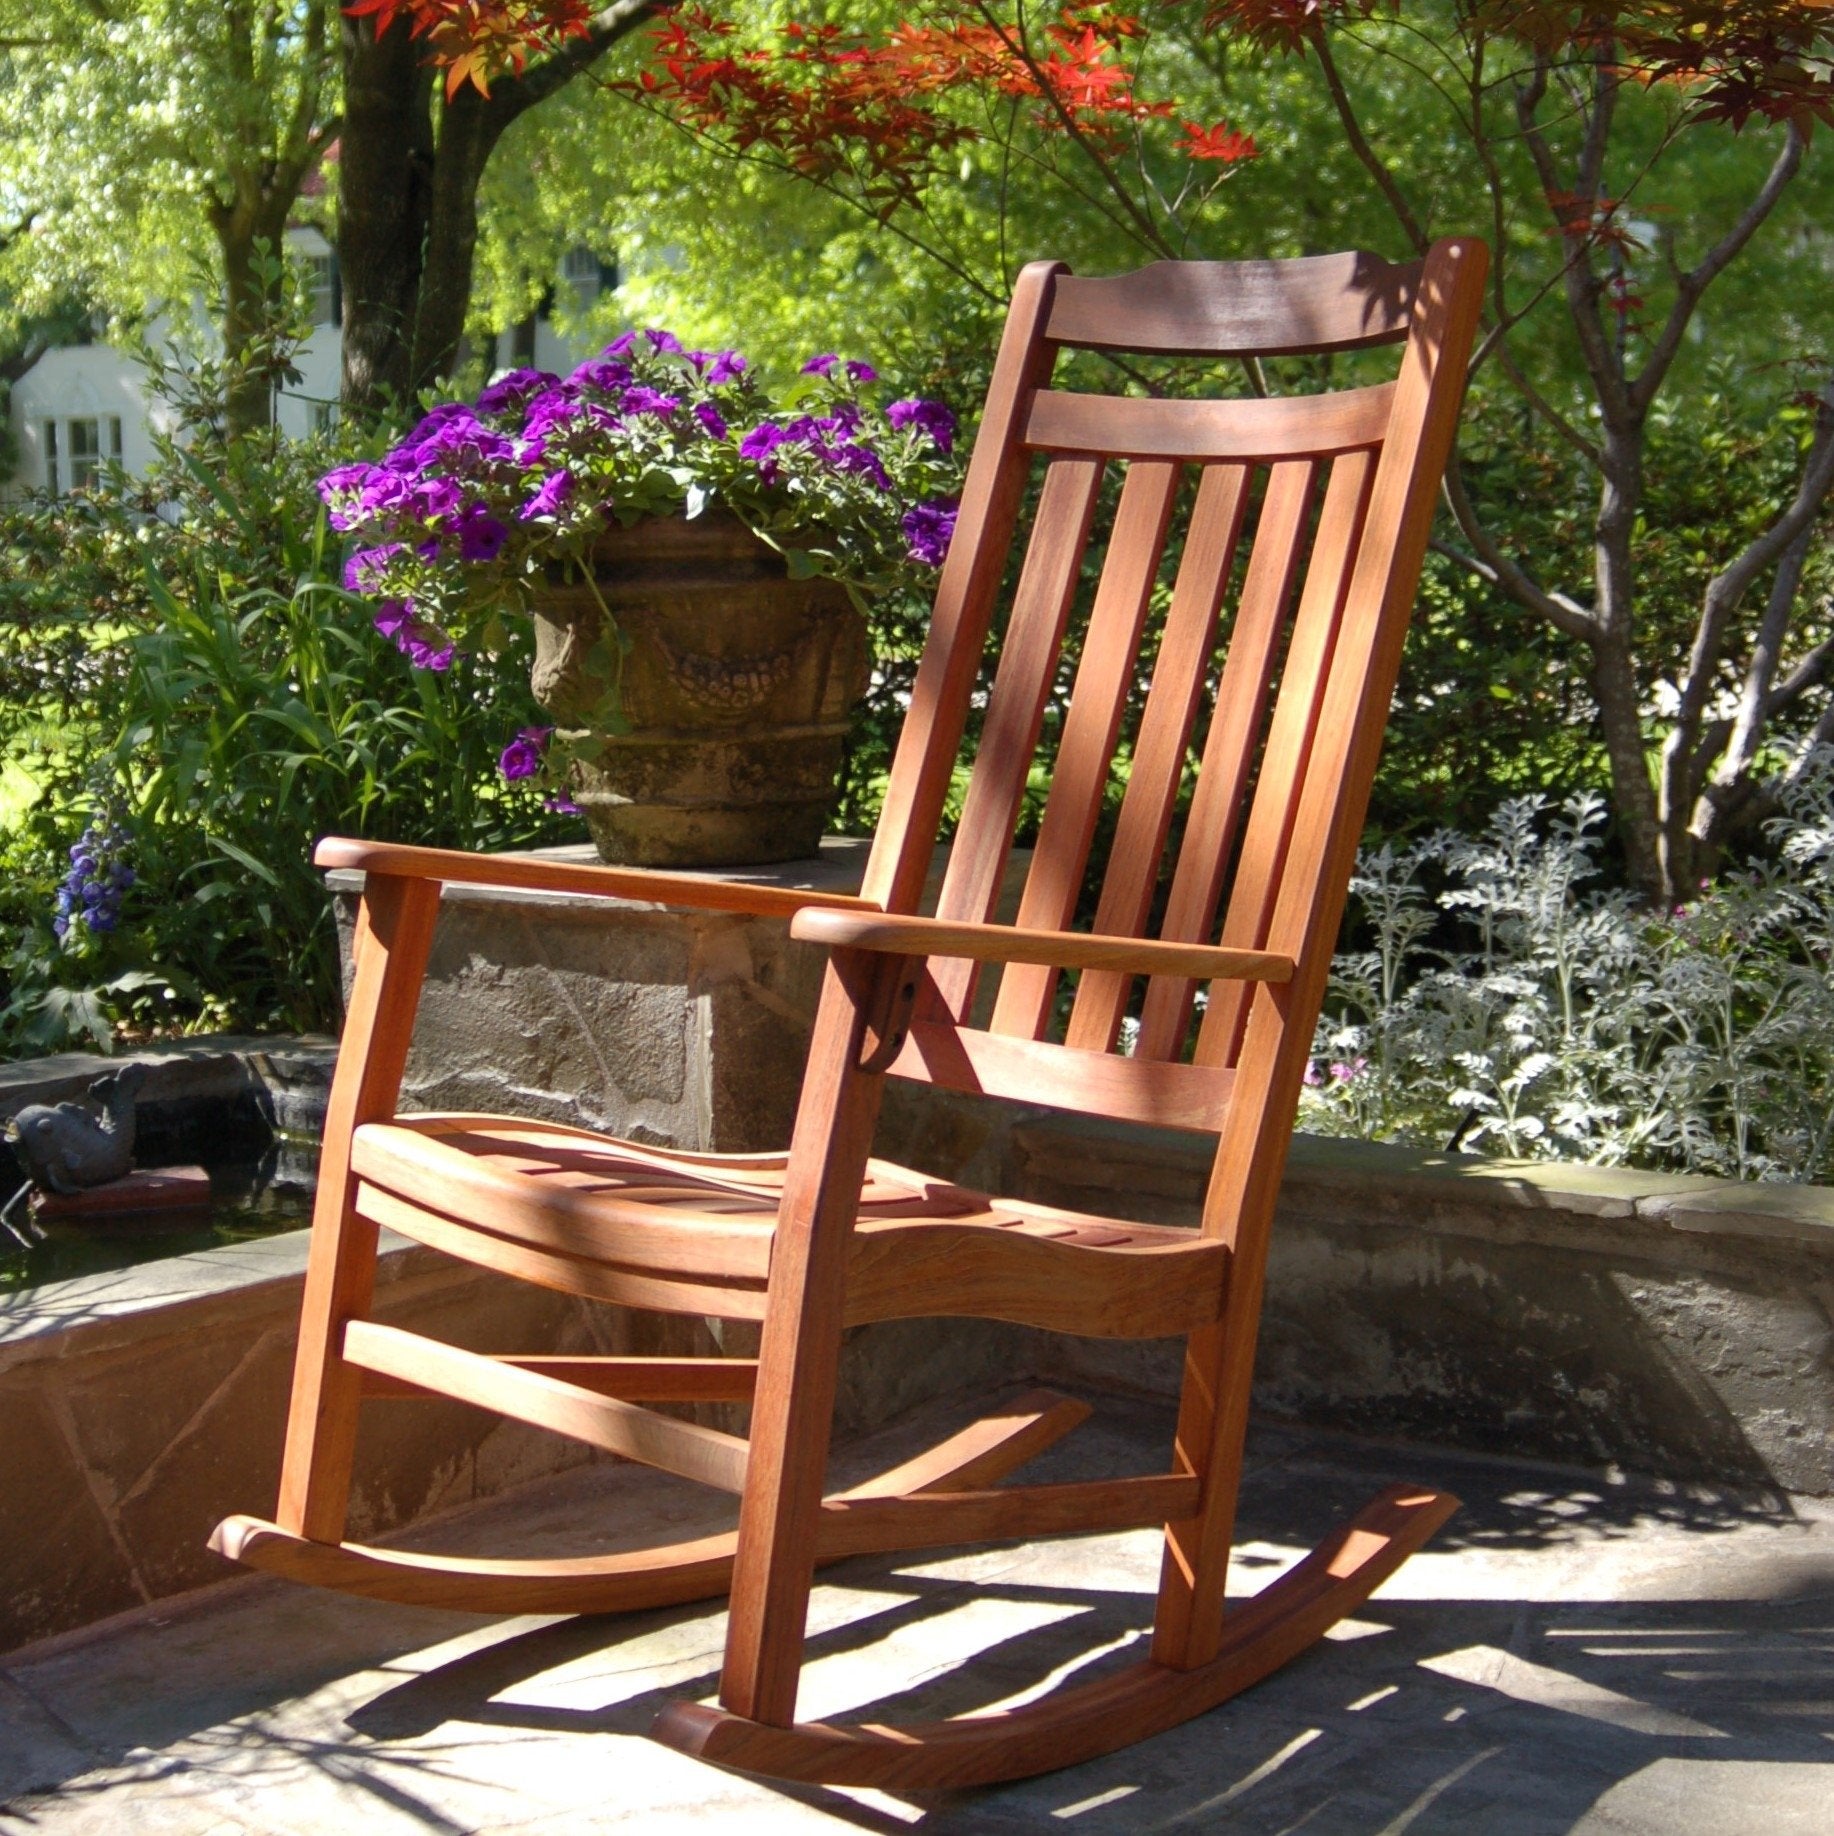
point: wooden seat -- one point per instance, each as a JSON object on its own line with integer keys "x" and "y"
{"x": 1284, "y": 538}
{"x": 692, "y": 1233}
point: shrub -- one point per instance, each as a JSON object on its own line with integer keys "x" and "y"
{"x": 179, "y": 664}
{"x": 1502, "y": 1000}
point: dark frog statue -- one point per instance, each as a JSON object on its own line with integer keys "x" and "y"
{"x": 70, "y": 1147}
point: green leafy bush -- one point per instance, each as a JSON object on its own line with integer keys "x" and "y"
{"x": 178, "y": 658}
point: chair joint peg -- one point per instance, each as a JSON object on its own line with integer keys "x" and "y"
{"x": 886, "y": 1002}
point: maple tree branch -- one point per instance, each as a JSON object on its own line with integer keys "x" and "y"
{"x": 1496, "y": 568}
{"x": 1810, "y": 671}
{"x": 1693, "y": 284}
{"x": 1147, "y": 231}
{"x": 1584, "y": 290}
{"x": 1370, "y": 160}
{"x": 783, "y": 169}
{"x": 1784, "y": 545}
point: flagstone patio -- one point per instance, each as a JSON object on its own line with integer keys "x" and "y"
{"x": 1575, "y": 1653}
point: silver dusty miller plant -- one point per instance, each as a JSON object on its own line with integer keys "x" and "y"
{"x": 1570, "y": 1023}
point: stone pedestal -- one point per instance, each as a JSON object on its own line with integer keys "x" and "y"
{"x": 657, "y": 1023}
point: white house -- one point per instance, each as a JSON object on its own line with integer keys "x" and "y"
{"x": 81, "y": 405}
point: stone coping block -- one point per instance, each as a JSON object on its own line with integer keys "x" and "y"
{"x": 194, "y": 1088}
{"x": 1125, "y": 1157}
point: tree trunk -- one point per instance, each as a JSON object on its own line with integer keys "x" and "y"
{"x": 385, "y": 193}
{"x": 408, "y": 199}
{"x": 469, "y": 130}
{"x": 1614, "y": 674}
{"x": 250, "y": 237}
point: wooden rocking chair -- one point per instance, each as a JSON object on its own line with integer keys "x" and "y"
{"x": 1341, "y": 490}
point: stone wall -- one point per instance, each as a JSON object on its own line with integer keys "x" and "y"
{"x": 1683, "y": 1327}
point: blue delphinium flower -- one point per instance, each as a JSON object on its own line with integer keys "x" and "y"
{"x": 90, "y": 897}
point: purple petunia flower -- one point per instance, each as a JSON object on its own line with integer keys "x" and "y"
{"x": 562, "y": 803}
{"x": 645, "y": 400}
{"x": 554, "y": 491}
{"x": 711, "y": 419}
{"x": 424, "y": 644}
{"x": 427, "y": 647}
{"x": 433, "y": 497}
{"x": 820, "y": 366}
{"x": 364, "y": 570}
{"x": 928, "y": 528}
{"x": 726, "y": 367}
{"x": 393, "y": 616}
{"x": 605, "y": 373}
{"x": 864, "y": 461}
{"x": 522, "y": 756}
{"x": 343, "y": 479}
{"x": 661, "y": 340}
{"x": 861, "y": 372}
{"x": 762, "y": 441}
{"x": 507, "y": 391}
{"x": 932, "y": 418}
{"x": 620, "y": 346}
{"x": 481, "y": 536}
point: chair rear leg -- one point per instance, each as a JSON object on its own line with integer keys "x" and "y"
{"x": 393, "y": 935}
{"x": 799, "y": 1357}
{"x": 1212, "y": 1430}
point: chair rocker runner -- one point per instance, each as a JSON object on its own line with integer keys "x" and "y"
{"x": 1338, "y": 490}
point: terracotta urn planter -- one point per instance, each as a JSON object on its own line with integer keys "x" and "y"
{"x": 736, "y": 685}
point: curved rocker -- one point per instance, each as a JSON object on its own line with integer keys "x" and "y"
{"x": 1083, "y": 1722}
{"x": 666, "y": 1575}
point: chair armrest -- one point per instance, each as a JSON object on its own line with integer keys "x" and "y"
{"x": 455, "y": 867}
{"x": 902, "y": 935}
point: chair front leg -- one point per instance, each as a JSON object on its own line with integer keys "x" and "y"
{"x": 394, "y": 933}
{"x": 863, "y": 998}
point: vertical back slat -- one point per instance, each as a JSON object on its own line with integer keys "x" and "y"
{"x": 1289, "y": 741}
{"x": 991, "y": 494}
{"x": 1015, "y": 710}
{"x": 1229, "y": 748}
{"x": 1159, "y": 751}
{"x": 1091, "y": 730}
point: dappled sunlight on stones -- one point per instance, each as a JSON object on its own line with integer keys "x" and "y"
{"x": 1573, "y": 1655}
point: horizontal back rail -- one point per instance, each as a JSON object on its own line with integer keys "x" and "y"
{"x": 1168, "y": 1094}
{"x": 1238, "y": 427}
{"x": 1238, "y": 308}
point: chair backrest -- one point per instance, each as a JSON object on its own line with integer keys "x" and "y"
{"x": 1333, "y": 495}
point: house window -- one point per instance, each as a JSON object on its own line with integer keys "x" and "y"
{"x": 76, "y": 450}
{"x": 324, "y": 417}
{"x": 587, "y": 275}
{"x": 324, "y": 294}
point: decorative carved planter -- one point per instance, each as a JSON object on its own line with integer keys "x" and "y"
{"x": 737, "y": 683}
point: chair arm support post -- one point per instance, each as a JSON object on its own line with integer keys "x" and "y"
{"x": 394, "y": 936}
{"x": 454, "y": 867}
{"x": 907, "y": 935}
